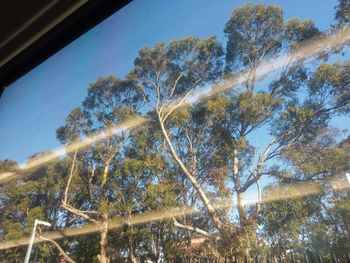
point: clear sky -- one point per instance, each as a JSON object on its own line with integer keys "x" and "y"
{"x": 33, "y": 107}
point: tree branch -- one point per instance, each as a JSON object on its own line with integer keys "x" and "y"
{"x": 65, "y": 203}
{"x": 190, "y": 228}
{"x": 174, "y": 86}
{"x": 79, "y": 213}
{"x": 71, "y": 174}
{"x": 259, "y": 165}
{"x": 174, "y": 107}
{"x": 211, "y": 211}
{"x": 58, "y": 247}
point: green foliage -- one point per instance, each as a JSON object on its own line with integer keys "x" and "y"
{"x": 34, "y": 194}
{"x": 253, "y": 30}
{"x": 298, "y": 31}
{"x": 343, "y": 11}
{"x": 329, "y": 86}
{"x": 189, "y": 62}
{"x": 135, "y": 172}
{"x": 283, "y": 221}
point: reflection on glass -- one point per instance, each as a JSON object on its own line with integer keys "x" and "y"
{"x": 209, "y": 148}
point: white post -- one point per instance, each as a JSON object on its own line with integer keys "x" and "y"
{"x": 32, "y": 237}
{"x": 31, "y": 241}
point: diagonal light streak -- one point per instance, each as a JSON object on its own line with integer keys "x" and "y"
{"x": 77, "y": 145}
{"x": 287, "y": 192}
{"x": 306, "y": 50}
{"x": 138, "y": 219}
{"x": 298, "y": 190}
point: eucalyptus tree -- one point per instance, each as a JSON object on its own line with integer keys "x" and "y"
{"x": 144, "y": 189}
{"x": 202, "y": 146}
{"x": 316, "y": 218}
{"x": 220, "y": 152}
{"x": 33, "y": 194}
{"x": 165, "y": 76}
{"x": 159, "y": 191}
{"x": 343, "y": 11}
{"x": 93, "y": 170}
{"x": 329, "y": 87}
{"x": 256, "y": 34}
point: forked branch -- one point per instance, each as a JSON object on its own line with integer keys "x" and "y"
{"x": 64, "y": 254}
{"x": 65, "y": 202}
{"x": 190, "y": 228}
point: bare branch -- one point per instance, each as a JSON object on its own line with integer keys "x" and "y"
{"x": 91, "y": 176}
{"x": 79, "y": 213}
{"x": 71, "y": 174}
{"x": 174, "y": 86}
{"x": 193, "y": 153}
{"x": 174, "y": 107}
{"x": 190, "y": 228}
{"x": 65, "y": 203}
{"x": 144, "y": 97}
{"x": 267, "y": 150}
{"x": 211, "y": 210}
{"x": 58, "y": 247}
{"x": 259, "y": 165}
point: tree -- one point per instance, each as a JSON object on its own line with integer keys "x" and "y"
{"x": 34, "y": 194}
{"x": 216, "y": 126}
{"x": 109, "y": 102}
{"x": 255, "y": 34}
{"x": 284, "y": 222}
{"x": 306, "y": 221}
{"x": 343, "y": 11}
{"x": 165, "y": 73}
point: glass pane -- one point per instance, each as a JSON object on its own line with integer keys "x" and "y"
{"x": 184, "y": 131}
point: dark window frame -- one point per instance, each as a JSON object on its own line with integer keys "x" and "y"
{"x": 72, "y": 27}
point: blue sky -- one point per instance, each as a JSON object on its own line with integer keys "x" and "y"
{"x": 33, "y": 107}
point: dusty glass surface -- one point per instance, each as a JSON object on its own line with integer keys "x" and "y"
{"x": 184, "y": 131}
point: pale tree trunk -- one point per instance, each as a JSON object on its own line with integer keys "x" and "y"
{"x": 131, "y": 245}
{"x": 235, "y": 164}
{"x": 254, "y": 179}
{"x": 132, "y": 254}
{"x": 103, "y": 216}
{"x": 237, "y": 184}
{"x": 103, "y": 256}
{"x": 162, "y": 117}
{"x": 156, "y": 246}
{"x": 65, "y": 200}
{"x": 259, "y": 171}
{"x": 240, "y": 207}
{"x": 209, "y": 207}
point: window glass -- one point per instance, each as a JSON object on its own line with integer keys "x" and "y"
{"x": 184, "y": 131}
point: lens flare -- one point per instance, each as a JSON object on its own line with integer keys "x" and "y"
{"x": 285, "y": 192}
{"x": 306, "y": 50}
{"x": 75, "y": 146}
{"x": 113, "y": 224}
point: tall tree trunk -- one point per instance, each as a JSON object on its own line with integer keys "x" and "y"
{"x": 239, "y": 193}
{"x": 103, "y": 256}
{"x": 132, "y": 254}
{"x": 131, "y": 245}
{"x": 240, "y": 207}
{"x": 235, "y": 165}
{"x": 211, "y": 211}
{"x": 156, "y": 246}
